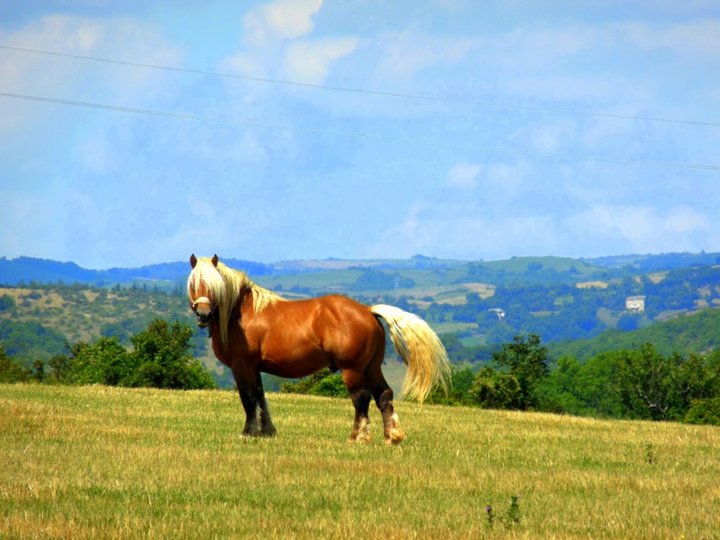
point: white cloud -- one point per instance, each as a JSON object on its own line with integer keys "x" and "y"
{"x": 66, "y": 78}
{"x": 641, "y": 228}
{"x": 95, "y": 153}
{"x": 466, "y": 232}
{"x": 470, "y": 230}
{"x": 683, "y": 220}
{"x": 280, "y": 20}
{"x": 309, "y": 61}
{"x": 500, "y": 181}
{"x": 404, "y": 54}
{"x": 698, "y": 39}
{"x": 463, "y": 175}
{"x": 552, "y": 136}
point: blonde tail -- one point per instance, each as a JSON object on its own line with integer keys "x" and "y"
{"x": 420, "y": 348}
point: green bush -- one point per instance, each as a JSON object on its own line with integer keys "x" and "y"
{"x": 160, "y": 359}
{"x": 102, "y": 362}
{"x": 10, "y": 370}
{"x": 320, "y": 383}
{"x": 493, "y": 389}
{"x": 704, "y": 411}
{"x": 330, "y": 386}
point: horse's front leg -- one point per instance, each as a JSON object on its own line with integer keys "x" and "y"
{"x": 252, "y": 396}
{"x": 267, "y": 428}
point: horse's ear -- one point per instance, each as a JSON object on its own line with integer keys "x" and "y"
{"x": 215, "y": 260}
{"x": 193, "y": 260}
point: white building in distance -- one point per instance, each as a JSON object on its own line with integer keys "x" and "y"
{"x": 635, "y": 303}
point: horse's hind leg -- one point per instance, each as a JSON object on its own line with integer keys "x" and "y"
{"x": 360, "y": 396}
{"x": 383, "y": 395}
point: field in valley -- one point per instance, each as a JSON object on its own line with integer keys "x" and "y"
{"x": 119, "y": 463}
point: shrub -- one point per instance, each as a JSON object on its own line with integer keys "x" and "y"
{"x": 320, "y": 383}
{"x": 10, "y": 370}
{"x": 704, "y": 411}
{"x": 493, "y": 389}
{"x": 330, "y": 386}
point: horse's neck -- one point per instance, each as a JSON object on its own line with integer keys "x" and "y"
{"x": 242, "y": 308}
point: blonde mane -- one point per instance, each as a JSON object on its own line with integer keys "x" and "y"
{"x": 226, "y": 286}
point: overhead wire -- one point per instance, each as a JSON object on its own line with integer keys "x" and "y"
{"x": 346, "y": 89}
{"x": 356, "y": 135}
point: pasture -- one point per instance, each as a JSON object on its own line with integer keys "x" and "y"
{"x": 99, "y": 462}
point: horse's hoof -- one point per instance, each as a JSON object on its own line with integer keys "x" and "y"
{"x": 395, "y": 436}
{"x": 360, "y": 438}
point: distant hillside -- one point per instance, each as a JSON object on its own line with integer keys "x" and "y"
{"x": 536, "y": 270}
{"x": 652, "y": 263}
{"x": 698, "y": 332}
{"x": 516, "y": 270}
{"x": 336, "y": 273}
{"x": 479, "y": 304}
{"x": 26, "y": 270}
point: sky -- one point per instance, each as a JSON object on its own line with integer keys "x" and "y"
{"x": 138, "y": 132}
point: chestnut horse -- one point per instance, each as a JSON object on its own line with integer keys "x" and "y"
{"x": 254, "y": 330}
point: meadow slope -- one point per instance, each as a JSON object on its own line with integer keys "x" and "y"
{"x": 98, "y": 462}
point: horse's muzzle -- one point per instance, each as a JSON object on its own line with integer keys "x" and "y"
{"x": 203, "y": 318}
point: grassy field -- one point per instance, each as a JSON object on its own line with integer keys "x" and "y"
{"x": 117, "y": 463}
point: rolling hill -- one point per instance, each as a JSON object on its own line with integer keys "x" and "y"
{"x": 694, "y": 333}
{"x": 577, "y": 307}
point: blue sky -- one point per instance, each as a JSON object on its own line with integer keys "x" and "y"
{"x": 556, "y": 128}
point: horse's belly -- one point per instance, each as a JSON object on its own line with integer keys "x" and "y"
{"x": 293, "y": 367}
{"x": 293, "y": 362}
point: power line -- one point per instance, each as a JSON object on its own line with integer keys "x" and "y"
{"x": 417, "y": 97}
{"x": 356, "y": 135}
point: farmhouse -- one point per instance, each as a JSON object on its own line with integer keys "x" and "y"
{"x": 635, "y": 303}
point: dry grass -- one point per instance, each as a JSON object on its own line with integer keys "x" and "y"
{"x": 116, "y": 463}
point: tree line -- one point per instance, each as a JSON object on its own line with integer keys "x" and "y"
{"x": 160, "y": 358}
{"x": 636, "y": 383}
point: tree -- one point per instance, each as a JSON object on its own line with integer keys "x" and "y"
{"x": 704, "y": 411}
{"x": 11, "y": 371}
{"x": 162, "y": 358}
{"x": 102, "y": 362}
{"x": 38, "y": 370}
{"x": 558, "y": 392}
{"x": 330, "y": 386}
{"x": 692, "y": 380}
{"x": 527, "y": 362}
{"x": 459, "y": 391}
{"x": 645, "y": 383}
{"x": 7, "y": 304}
{"x": 593, "y": 387}
{"x": 492, "y": 389}
{"x": 321, "y": 383}
{"x": 59, "y": 367}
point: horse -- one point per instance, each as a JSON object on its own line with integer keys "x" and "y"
{"x": 254, "y": 330}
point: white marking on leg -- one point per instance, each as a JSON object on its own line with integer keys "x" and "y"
{"x": 395, "y": 433}
{"x": 364, "y": 435}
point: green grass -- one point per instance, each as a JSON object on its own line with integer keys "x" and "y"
{"x": 118, "y": 463}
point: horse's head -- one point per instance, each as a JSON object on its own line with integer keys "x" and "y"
{"x": 202, "y": 288}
